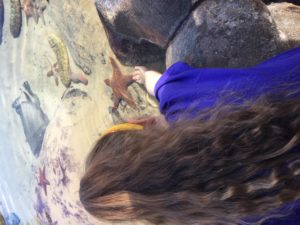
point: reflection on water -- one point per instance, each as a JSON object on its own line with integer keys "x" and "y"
{"x": 54, "y": 58}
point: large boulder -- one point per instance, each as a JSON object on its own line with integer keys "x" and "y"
{"x": 140, "y": 30}
{"x": 131, "y": 51}
{"x": 226, "y": 33}
{"x": 287, "y": 18}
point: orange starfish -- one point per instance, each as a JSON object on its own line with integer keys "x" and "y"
{"x": 43, "y": 182}
{"x": 119, "y": 84}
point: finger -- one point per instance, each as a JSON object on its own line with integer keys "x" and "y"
{"x": 136, "y": 73}
{"x": 136, "y": 77}
{"x": 137, "y": 68}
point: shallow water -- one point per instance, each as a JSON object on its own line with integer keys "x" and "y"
{"x": 47, "y": 129}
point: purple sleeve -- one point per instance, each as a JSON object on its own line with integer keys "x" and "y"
{"x": 173, "y": 70}
{"x": 183, "y": 89}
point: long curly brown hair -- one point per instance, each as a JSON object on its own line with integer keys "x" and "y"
{"x": 230, "y": 163}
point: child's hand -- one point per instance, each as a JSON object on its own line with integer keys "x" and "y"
{"x": 139, "y": 74}
{"x": 146, "y": 77}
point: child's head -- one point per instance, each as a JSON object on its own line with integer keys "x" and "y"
{"x": 220, "y": 169}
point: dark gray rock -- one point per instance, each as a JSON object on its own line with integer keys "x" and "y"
{"x": 1, "y": 19}
{"x": 72, "y": 93}
{"x": 139, "y": 30}
{"x": 15, "y": 24}
{"x": 82, "y": 58}
{"x": 226, "y": 33}
{"x": 152, "y": 20}
{"x": 287, "y": 18}
{"x": 33, "y": 118}
{"x": 131, "y": 51}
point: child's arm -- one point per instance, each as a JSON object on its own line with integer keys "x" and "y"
{"x": 146, "y": 77}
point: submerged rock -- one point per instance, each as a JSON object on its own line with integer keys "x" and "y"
{"x": 140, "y": 30}
{"x": 75, "y": 92}
{"x": 15, "y": 18}
{"x": 154, "y": 21}
{"x": 226, "y": 33}
{"x": 1, "y": 19}
{"x": 131, "y": 51}
{"x": 207, "y": 33}
{"x": 287, "y": 18}
{"x": 33, "y": 119}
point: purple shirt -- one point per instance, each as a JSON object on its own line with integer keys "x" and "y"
{"x": 183, "y": 89}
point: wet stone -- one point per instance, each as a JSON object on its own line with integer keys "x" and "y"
{"x": 140, "y": 30}
{"x": 130, "y": 51}
{"x": 226, "y": 33}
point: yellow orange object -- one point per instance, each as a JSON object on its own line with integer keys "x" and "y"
{"x": 123, "y": 127}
